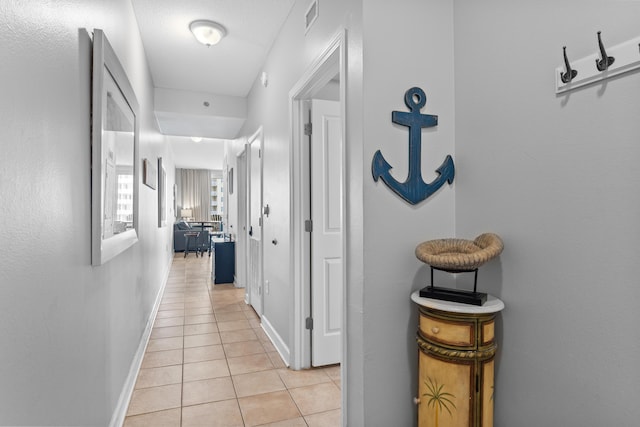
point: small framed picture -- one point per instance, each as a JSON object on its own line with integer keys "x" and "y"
{"x": 162, "y": 194}
{"x": 149, "y": 174}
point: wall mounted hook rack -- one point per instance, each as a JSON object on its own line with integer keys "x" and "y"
{"x": 627, "y": 58}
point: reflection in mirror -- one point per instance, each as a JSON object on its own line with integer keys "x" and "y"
{"x": 118, "y": 152}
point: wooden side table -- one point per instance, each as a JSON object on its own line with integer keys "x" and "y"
{"x": 457, "y": 347}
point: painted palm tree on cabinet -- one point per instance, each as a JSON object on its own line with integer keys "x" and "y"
{"x": 438, "y": 399}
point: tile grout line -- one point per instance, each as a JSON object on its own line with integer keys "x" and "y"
{"x": 224, "y": 351}
{"x": 184, "y": 314}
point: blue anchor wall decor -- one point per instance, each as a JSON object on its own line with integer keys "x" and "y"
{"x": 414, "y": 189}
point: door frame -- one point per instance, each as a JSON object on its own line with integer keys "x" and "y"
{"x": 332, "y": 61}
{"x": 241, "y": 232}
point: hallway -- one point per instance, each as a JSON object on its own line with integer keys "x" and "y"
{"x": 209, "y": 363}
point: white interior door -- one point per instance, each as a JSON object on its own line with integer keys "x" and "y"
{"x": 255, "y": 223}
{"x": 241, "y": 244}
{"x": 326, "y": 237}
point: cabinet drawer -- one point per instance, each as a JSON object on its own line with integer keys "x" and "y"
{"x": 448, "y": 332}
{"x": 488, "y": 332}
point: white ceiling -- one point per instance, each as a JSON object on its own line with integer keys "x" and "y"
{"x": 228, "y": 69}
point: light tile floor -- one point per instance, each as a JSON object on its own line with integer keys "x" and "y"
{"x": 209, "y": 363}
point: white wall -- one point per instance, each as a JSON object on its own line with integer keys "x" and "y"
{"x": 186, "y": 113}
{"x": 192, "y": 103}
{"x": 416, "y": 51}
{"x": 69, "y": 330}
{"x": 557, "y": 177}
{"x": 206, "y": 154}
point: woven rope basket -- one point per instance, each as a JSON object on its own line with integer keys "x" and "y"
{"x": 460, "y": 254}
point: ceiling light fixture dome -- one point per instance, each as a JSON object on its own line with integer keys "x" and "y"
{"x": 207, "y": 32}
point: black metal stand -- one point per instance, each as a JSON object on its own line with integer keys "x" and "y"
{"x": 456, "y": 295}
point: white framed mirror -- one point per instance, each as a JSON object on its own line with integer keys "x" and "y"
{"x": 114, "y": 155}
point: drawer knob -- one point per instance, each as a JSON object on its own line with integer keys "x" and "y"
{"x": 435, "y": 330}
{"x": 416, "y": 400}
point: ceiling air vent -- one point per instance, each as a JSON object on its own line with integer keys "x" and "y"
{"x": 311, "y": 15}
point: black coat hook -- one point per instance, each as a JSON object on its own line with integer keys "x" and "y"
{"x": 605, "y": 61}
{"x": 570, "y": 74}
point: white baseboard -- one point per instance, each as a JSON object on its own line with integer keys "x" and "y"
{"x": 276, "y": 340}
{"x": 120, "y": 412}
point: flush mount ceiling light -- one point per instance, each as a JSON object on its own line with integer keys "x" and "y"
{"x": 196, "y": 138}
{"x": 207, "y": 32}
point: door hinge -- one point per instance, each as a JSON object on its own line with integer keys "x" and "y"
{"x": 309, "y": 323}
{"x": 308, "y": 129}
{"x": 308, "y": 226}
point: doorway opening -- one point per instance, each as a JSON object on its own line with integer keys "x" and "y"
{"x": 325, "y": 79}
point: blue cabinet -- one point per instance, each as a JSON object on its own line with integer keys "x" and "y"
{"x": 224, "y": 262}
